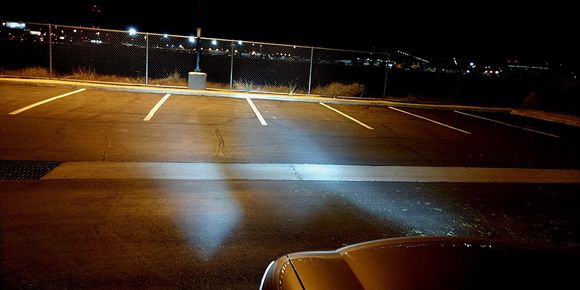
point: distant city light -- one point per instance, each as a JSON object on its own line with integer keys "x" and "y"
{"x": 61, "y": 38}
{"x": 74, "y": 30}
{"x": 132, "y": 31}
{"x": 191, "y": 39}
{"x": 165, "y": 35}
{"x": 240, "y": 42}
{"x": 95, "y": 41}
{"x": 34, "y": 32}
{"x": 15, "y": 25}
{"x": 468, "y": 71}
{"x": 471, "y": 64}
{"x": 496, "y": 72}
{"x": 214, "y": 42}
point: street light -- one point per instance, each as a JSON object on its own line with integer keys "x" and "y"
{"x": 132, "y": 31}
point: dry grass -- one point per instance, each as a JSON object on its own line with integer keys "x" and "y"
{"x": 89, "y": 74}
{"x": 173, "y": 79}
{"x": 38, "y": 72}
{"x": 245, "y": 86}
{"x": 248, "y": 86}
{"x": 340, "y": 90}
{"x": 218, "y": 86}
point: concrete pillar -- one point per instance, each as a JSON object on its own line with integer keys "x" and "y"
{"x": 196, "y": 81}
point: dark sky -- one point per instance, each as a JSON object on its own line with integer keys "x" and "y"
{"x": 479, "y": 29}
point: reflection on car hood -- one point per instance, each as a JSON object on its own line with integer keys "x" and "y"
{"x": 435, "y": 263}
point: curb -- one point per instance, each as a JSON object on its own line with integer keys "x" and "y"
{"x": 569, "y": 120}
{"x": 227, "y": 94}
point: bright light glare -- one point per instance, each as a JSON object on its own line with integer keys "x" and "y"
{"x": 132, "y": 31}
{"x": 15, "y": 25}
{"x": 165, "y": 35}
{"x": 240, "y": 42}
{"x": 191, "y": 39}
{"x": 214, "y": 42}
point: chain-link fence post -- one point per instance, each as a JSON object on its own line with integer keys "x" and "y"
{"x": 310, "y": 73}
{"x": 231, "y": 65}
{"x": 49, "y": 52}
{"x": 146, "y": 58}
{"x": 386, "y": 76}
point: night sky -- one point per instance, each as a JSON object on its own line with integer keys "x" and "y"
{"x": 478, "y": 29}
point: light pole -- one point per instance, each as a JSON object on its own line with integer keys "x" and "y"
{"x": 198, "y": 51}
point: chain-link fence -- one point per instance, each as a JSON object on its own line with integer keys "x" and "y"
{"x": 95, "y": 54}
{"x": 25, "y": 46}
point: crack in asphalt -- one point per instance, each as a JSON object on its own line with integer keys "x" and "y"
{"x": 219, "y": 146}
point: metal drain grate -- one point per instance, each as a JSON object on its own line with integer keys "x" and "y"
{"x": 25, "y": 170}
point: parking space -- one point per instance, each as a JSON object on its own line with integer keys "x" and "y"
{"x": 121, "y": 126}
{"x": 530, "y": 124}
{"x": 204, "y": 111}
{"x": 389, "y": 122}
{"x": 487, "y": 124}
{"x": 308, "y": 117}
{"x": 15, "y": 97}
{"x": 94, "y": 105}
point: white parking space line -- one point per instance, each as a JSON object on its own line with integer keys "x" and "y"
{"x": 510, "y": 125}
{"x": 156, "y": 107}
{"x": 347, "y": 116}
{"x": 45, "y": 101}
{"x": 262, "y": 121}
{"x": 432, "y": 121}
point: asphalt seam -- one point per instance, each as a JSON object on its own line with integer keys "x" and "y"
{"x": 308, "y": 172}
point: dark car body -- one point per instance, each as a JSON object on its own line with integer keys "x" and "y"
{"x": 426, "y": 263}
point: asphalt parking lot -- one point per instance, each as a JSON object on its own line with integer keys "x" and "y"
{"x": 95, "y": 125}
{"x": 111, "y": 216}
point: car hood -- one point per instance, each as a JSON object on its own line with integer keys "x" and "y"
{"x": 433, "y": 263}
